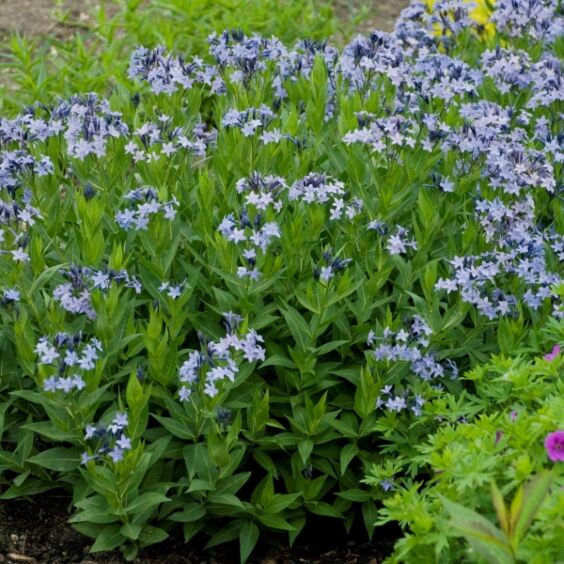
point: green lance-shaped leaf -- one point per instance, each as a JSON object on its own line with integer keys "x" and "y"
{"x": 131, "y": 530}
{"x": 145, "y": 500}
{"x": 109, "y": 538}
{"x": 297, "y": 325}
{"x": 248, "y": 537}
{"x": 500, "y": 509}
{"x": 515, "y": 510}
{"x": 484, "y": 537}
{"x": 347, "y": 455}
{"x": 523, "y": 513}
{"x": 59, "y": 459}
{"x": 305, "y": 448}
{"x": 151, "y": 535}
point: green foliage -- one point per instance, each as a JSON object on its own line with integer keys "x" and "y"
{"x": 516, "y": 402}
{"x": 314, "y": 414}
{"x": 501, "y": 546}
{"x": 94, "y": 57}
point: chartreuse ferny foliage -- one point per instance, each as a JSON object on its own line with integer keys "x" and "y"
{"x": 261, "y": 285}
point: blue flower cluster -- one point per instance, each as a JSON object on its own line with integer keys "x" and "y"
{"x": 148, "y": 204}
{"x": 518, "y": 253}
{"x": 396, "y": 400}
{"x": 397, "y": 238}
{"x": 112, "y": 440}
{"x": 89, "y": 125}
{"x": 249, "y": 121}
{"x": 10, "y": 296}
{"x": 411, "y": 345}
{"x": 266, "y": 193}
{"x": 17, "y": 216}
{"x": 167, "y": 74}
{"x": 75, "y": 296}
{"x": 330, "y": 266}
{"x": 153, "y": 141}
{"x": 320, "y": 189}
{"x": 529, "y": 18}
{"x": 256, "y": 234}
{"x": 68, "y": 353}
{"x": 172, "y": 291}
{"x": 85, "y": 121}
{"x": 262, "y": 191}
{"x": 216, "y": 362}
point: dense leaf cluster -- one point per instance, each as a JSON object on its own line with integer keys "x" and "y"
{"x": 228, "y": 298}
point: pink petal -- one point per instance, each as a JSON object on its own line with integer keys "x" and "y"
{"x": 553, "y": 354}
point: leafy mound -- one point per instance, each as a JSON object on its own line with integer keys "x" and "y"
{"x": 225, "y": 302}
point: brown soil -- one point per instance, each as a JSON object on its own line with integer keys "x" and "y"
{"x": 35, "y": 18}
{"x": 33, "y": 532}
{"x": 375, "y": 14}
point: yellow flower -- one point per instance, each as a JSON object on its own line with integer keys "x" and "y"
{"x": 481, "y": 14}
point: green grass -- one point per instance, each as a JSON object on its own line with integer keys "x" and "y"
{"x": 95, "y": 56}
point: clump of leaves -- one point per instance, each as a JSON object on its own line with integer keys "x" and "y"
{"x": 498, "y": 439}
{"x": 242, "y": 282}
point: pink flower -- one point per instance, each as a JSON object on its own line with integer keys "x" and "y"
{"x": 554, "y": 444}
{"x": 552, "y": 355}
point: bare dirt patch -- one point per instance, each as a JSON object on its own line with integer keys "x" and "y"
{"x": 36, "y": 18}
{"x": 376, "y": 14}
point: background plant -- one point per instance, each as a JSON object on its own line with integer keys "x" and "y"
{"x": 501, "y": 544}
{"x": 495, "y": 434}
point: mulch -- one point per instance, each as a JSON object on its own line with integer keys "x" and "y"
{"x": 36, "y": 531}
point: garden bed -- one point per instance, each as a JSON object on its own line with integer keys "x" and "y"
{"x": 259, "y": 290}
{"x": 37, "y": 18}
{"x": 38, "y": 532}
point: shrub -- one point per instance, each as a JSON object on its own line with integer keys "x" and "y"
{"x": 225, "y": 302}
{"x": 495, "y": 433}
